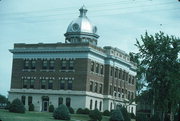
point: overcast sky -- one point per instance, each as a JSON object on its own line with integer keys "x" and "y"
{"x": 119, "y": 23}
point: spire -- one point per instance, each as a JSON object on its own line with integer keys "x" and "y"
{"x": 83, "y": 11}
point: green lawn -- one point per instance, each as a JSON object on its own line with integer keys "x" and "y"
{"x": 39, "y": 116}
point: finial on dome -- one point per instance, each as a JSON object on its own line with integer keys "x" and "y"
{"x": 83, "y": 11}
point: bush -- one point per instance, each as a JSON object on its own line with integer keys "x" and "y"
{"x": 95, "y": 115}
{"x": 85, "y": 111}
{"x": 106, "y": 113}
{"x": 62, "y": 113}
{"x": 7, "y": 105}
{"x": 71, "y": 110}
{"x": 31, "y": 107}
{"x": 125, "y": 114}
{"x": 79, "y": 111}
{"x": 141, "y": 117}
{"x": 51, "y": 108}
{"x": 17, "y": 106}
{"x": 132, "y": 116}
{"x": 116, "y": 115}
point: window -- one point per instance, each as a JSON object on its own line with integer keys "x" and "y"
{"x": 71, "y": 65}
{"x": 25, "y": 83}
{"x": 51, "y": 65}
{"x": 63, "y": 66}
{"x": 133, "y": 80}
{"x": 91, "y": 86}
{"x": 62, "y": 84}
{"x": 92, "y": 66}
{"x": 124, "y": 75}
{"x": 23, "y": 100}
{"x": 95, "y": 87}
{"x": 128, "y": 95}
{"x": 111, "y": 106}
{"x": 26, "y": 64}
{"x": 96, "y": 104}
{"x": 120, "y": 74}
{"x": 102, "y": 69}
{"x": 33, "y": 64}
{"x": 29, "y": 100}
{"x": 97, "y": 68}
{"x": 111, "y": 71}
{"x": 45, "y": 64}
{"x": 91, "y": 103}
{"x": 110, "y": 90}
{"x": 116, "y": 73}
{"x": 50, "y": 84}
{"x": 60, "y": 101}
{"x": 43, "y": 84}
{"x": 129, "y": 79}
{"x": 132, "y": 95}
{"x": 100, "y": 88}
{"x": 68, "y": 102}
{"x": 100, "y": 105}
{"x": 69, "y": 85}
{"x": 32, "y": 84}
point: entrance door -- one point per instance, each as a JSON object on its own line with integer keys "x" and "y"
{"x": 45, "y": 105}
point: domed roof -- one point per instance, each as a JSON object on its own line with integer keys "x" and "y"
{"x": 82, "y": 24}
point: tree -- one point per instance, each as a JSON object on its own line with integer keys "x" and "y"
{"x": 116, "y": 115}
{"x": 62, "y": 113}
{"x": 158, "y": 55}
{"x": 95, "y": 115}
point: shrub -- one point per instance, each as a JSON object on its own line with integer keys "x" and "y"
{"x": 79, "y": 111}
{"x": 132, "y": 116}
{"x": 31, "y": 107}
{"x": 7, "y": 105}
{"x": 95, "y": 115}
{"x": 154, "y": 118}
{"x": 51, "y": 108}
{"x": 116, "y": 115}
{"x": 85, "y": 111}
{"x": 71, "y": 110}
{"x": 125, "y": 114}
{"x": 17, "y": 106}
{"x": 141, "y": 117}
{"x": 62, "y": 113}
{"x": 106, "y": 113}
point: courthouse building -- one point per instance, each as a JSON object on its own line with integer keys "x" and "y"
{"x": 77, "y": 73}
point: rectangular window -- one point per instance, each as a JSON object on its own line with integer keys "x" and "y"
{"x": 71, "y": 64}
{"x": 29, "y": 100}
{"x": 32, "y": 84}
{"x": 120, "y": 74}
{"x": 50, "y": 84}
{"x": 51, "y": 64}
{"x": 97, "y": 68}
{"x": 45, "y": 64}
{"x": 68, "y": 102}
{"x": 63, "y": 65}
{"x": 69, "y": 85}
{"x": 111, "y": 71}
{"x": 60, "y": 101}
{"x": 23, "y": 100}
{"x": 26, "y": 64}
{"x": 96, "y": 87}
{"x": 133, "y": 80}
{"x": 43, "y": 84}
{"x": 100, "y": 88}
{"x": 62, "y": 84}
{"x": 91, "y": 86}
{"x": 92, "y": 66}
{"x": 33, "y": 64}
{"x": 124, "y": 75}
{"x": 116, "y": 72}
{"x": 110, "y": 90}
{"x": 102, "y": 69}
{"x": 129, "y": 79}
{"x": 25, "y": 83}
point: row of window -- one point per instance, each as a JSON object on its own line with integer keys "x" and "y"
{"x": 97, "y": 68}
{"x": 49, "y": 64}
{"x": 120, "y": 74}
{"x": 23, "y": 100}
{"x": 95, "y": 105}
{"x": 96, "y": 87}
{"x": 47, "y": 84}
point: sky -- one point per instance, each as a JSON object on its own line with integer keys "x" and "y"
{"x": 119, "y": 24}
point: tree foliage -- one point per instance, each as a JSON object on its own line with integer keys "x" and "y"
{"x": 17, "y": 106}
{"x": 116, "y": 115}
{"x": 95, "y": 115}
{"x": 62, "y": 113}
{"x": 158, "y": 56}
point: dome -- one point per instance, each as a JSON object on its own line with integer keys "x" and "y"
{"x": 82, "y": 23}
{"x": 81, "y": 29}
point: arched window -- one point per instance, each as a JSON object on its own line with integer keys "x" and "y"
{"x": 100, "y": 105}
{"x": 91, "y": 104}
{"x": 68, "y": 102}
{"x": 111, "y": 106}
{"x": 132, "y": 110}
{"x": 96, "y": 104}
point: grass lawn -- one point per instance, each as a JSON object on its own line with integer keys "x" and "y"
{"x": 39, "y": 116}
